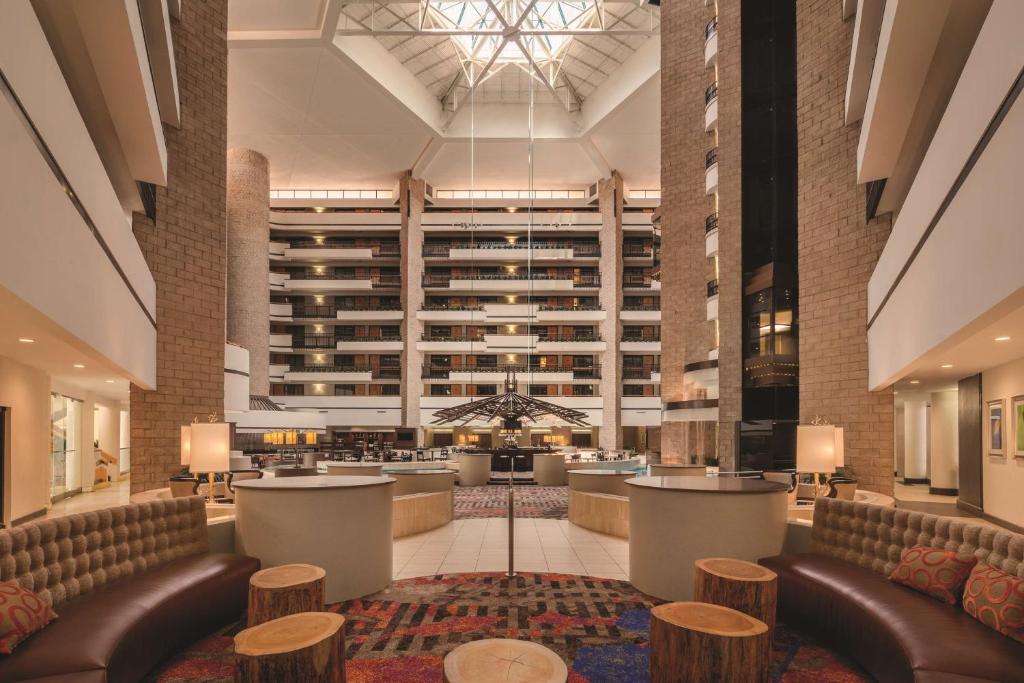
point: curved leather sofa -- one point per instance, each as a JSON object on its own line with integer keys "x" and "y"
{"x": 132, "y": 586}
{"x": 841, "y": 594}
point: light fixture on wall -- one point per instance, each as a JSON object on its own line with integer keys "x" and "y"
{"x": 26, "y": 340}
{"x": 915, "y": 381}
{"x": 946, "y": 366}
{"x": 78, "y": 366}
{"x": 1003, "y": 338}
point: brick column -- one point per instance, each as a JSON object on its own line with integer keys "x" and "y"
{"x": 248, "y": 262}
{"x": 411, "y": 191}
{"x": 184, "y": 249}
{"x": 838, "y": 250}
{"x": 610, "y": 202}
{"x": 730, "y": 229}
{"x": 686, "y": 336}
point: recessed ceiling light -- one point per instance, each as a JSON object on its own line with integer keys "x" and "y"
{"x": 946, "y": 366}
{"x": 26, "y": 340}
{"x": 1003, "y": 338}
{"x": 915, "y": 381}
{"x": 109, "y": 381}
{"x": 78, "y": 366}
{"x": 319, "y": 209}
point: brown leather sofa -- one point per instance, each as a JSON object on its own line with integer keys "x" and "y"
{"x": 840, "y": 593}
{"x": 132, "y": 586}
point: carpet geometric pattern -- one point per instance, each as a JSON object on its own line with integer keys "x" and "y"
{"x": 598, "y": 626}
{"x": 547, "y": 502}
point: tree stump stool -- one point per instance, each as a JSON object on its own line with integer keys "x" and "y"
{"x": 697, "y": 642}
{"x": 308, "y": 647}
{"x": 501, "y": 659}
{"x": 288, "y": 589}
{"x": 743, "y": 586}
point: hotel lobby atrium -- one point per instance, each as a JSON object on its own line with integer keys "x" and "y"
{"x": 546, "y": 341}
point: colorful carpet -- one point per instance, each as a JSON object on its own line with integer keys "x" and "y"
{"x": 598, "y": 626}
{"x": 548, "y": 502}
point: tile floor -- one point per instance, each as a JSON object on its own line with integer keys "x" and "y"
{"x": 115, "y": 494}
{"x": 541, "y": 545}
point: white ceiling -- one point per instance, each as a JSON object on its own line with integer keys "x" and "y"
{"x": 325, "y": 122}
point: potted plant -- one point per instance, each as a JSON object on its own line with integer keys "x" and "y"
{"x": 711, "y": 462}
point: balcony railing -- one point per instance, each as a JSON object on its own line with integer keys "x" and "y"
{"x": 570, "y": 307}
{"x": 379, "y": 338}
{"x": 569, "y": 338}
{"x": 314, "y": 341}
{"x": 387, "y": 373}
{"x": 447, "y": 307}
{"x": 329, "y": 368}
{"x": 641, "y": 307}
{"x": 639, "y": 373}
{"x": 427, "y": 336}
{"x": 593, "y": 372}
{"x": 577, "y": 280}
{"x": 711, "y": 28}
{"x": 331, "y": 274}
{"x": 641, "y": 337}
{"x": 711, "y": 158}
{"x": 578, "y": 249}
{"x": 362, "y": 308}
{"x": 314, "y": 312}
{"x": 710, "y": 93}
{"x": 383, "y": 249}
{"x": 638, "y": 250}
{"x": 712, "y": 288}
{"x": 711, "y": 223}
{"x": 641, "y": 281}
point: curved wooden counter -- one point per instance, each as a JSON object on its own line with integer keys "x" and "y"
{"x": 432, "y": 480}
{"x": 675, "y": 521}
{"x": 600, "y": 481}
{"x": 355, "y": 469}
{"x": 474, "y": 469}
{"x": 342, "y": 524}
{"x": 549, "y": 469}
{"x": 677, "y": 470}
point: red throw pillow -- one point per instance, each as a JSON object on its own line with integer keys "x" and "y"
{"x": 22, "y": 613}
{"x": 996, "y": 599}
{"x": 934, "y": 571}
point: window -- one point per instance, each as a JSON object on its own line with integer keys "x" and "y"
{"x": 440, "y": 390}
{"x": 486, "y": 361}
{"x": 538, "y": 390}
{"x": 486, "y": 389}
{"x": 390, "y": 389}
{"x": 583, "y": 390}
{"x": 632, "y": 390}
{"x": 389, "y": 361}
{"x": 344, "y": 389}
{"x": 391, "y": 331}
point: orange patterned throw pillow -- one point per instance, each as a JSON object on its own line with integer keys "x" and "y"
{"x": 996, "y": 599}
{"x": 22, "y": 613}
{"x": 934, "y": 571}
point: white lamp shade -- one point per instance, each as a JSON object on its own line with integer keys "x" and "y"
{"x": 815, "y": 448}
{"x": 210, "y": 447}
{"x": 186, "y": 444}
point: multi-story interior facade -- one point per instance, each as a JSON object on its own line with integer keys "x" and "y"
{"x": 552, "y": 329}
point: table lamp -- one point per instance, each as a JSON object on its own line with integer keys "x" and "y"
{"x": 186, "y": 445}
{"x": 816, "y": 450}
{"x": 210, "y": 449}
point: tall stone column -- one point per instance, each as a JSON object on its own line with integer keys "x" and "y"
{"x": 248, "y": 256}
{"x": 610, "y": 202}
{"x": 411, "y": 192}
{"x": 184, "y": 248}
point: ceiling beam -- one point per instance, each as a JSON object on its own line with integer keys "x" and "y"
{"x": 496, "y": 32}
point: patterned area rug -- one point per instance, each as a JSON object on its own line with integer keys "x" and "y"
{"x": 549, "y": 502}
{"x": 598, "y": 626}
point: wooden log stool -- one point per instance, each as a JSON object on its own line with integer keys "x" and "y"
{"x": 698, "y": 642}
{"x": 287, "y": 589}
{"x": 502, "y": 659}
{"x": 308, "y": 647}
{"x": 743, "y": 586}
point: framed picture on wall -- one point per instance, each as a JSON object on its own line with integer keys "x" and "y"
{"x": 1017, "y": 415}
{"x": 996, "y": 428}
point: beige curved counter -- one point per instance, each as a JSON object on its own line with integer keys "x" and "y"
{"x": 474, "y": 469}
{"x": 354, "y": 469}
{"x": 342, "y": 524}
{"x": 630, "y": 464}
{"x": 421, "y": 481}
{"x": 549, "y": 469}
{"x": 675, "y": 521}
{"x": 674, "y": 470}
{"x": 600, "y": 481}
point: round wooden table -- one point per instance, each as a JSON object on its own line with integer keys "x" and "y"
{"x": 300, "y": 647}
{"x": 697, "y": 642}
{"x": 503, "y": 659}
{"x": 743, "y": 586}
{"x": 287, "y": 589}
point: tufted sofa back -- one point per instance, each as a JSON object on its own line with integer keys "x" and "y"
{"x": 60, "y": 559}
{"x": 874, "y": 536}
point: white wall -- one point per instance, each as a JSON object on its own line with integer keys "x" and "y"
{"x": 50, "y": 257}
{"x": 1003, "y": 476}
{"x": 25, "y": 392}
{"x": 915, "y": 426}
{"x": 971, "y": 261}
{"x": 944, "y": 446}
